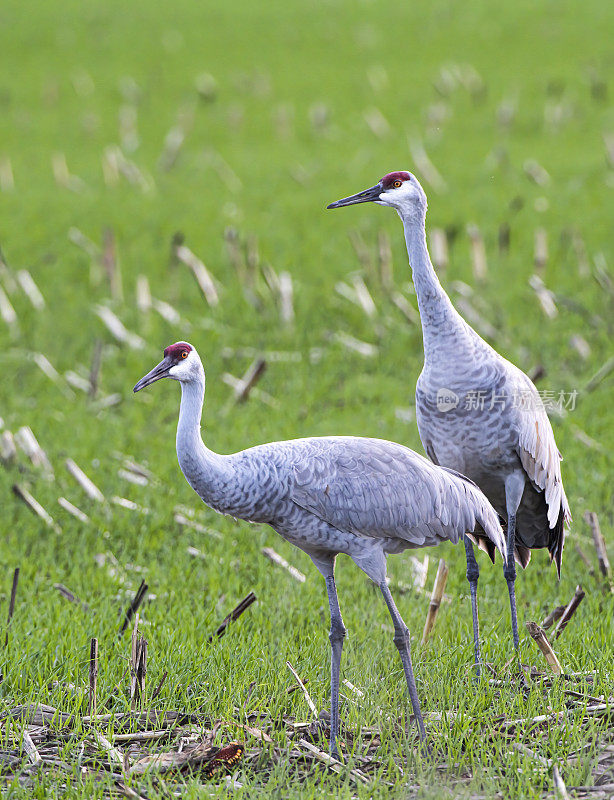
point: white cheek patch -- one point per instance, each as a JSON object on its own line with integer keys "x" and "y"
{"x": 183, "y": 368}
{"x": 180, "y": 370}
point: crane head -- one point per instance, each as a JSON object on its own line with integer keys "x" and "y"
{"x": 401, "y": 190}
{"x": 180, "y": 362}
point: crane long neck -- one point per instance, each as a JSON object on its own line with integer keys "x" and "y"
{"x": 441, "y": 323}
{"x": 205, "y": 471}
{"x": 190, "y": 413}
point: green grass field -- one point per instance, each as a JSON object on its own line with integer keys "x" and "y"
{"x": 283, "y": 108}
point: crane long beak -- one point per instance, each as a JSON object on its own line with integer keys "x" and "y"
{"x": 159, "y": 371}
{"x": 367, "y": 196}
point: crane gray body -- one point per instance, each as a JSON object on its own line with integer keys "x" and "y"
{"x": 339, "y": 494}
{"x": 363, "y": 497}
{"x": 476, "y": 412}
{"x": 497, "y": 428}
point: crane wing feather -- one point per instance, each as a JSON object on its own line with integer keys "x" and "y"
{"x": 541, "y": 461}
{"x": 379, "y": 489}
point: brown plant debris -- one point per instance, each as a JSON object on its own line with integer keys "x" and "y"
{"x": 134, "y": 606}
{"x": 436, "y": 597}
{"x": 570, "y": 610}
{"x": 544, "y": 645}
{"x": 173, "y": 745}
{"x": 599, "y": 542}
{"x": 234, "y": 615}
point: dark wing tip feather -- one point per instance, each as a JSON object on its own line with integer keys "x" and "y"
{"x": 522, "y": 555}
{"x": 490, "y": 549}
{"x": 557, "y": 540}
{"x": 482, "y": 542}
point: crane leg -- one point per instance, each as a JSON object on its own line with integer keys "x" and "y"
{"x": 401, "y": 640}
{"x": 473, "y": 573}
{"x": 514, "y": 487}
{"x": 509, "y": 571}
{"x": 337, "y": 635}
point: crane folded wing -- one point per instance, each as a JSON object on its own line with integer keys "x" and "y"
{"x": 541, "y": 461}
{"x": 378, "y": 489}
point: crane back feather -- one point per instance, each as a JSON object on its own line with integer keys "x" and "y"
{"x": 380, "y": 489}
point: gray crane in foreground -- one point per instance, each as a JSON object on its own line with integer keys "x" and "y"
{"x": 476, "y": 412}
{"x": 328, "y": 495}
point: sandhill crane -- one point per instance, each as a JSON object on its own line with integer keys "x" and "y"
{"x": 476, "y": 412}
{"x": 363, "y": 497}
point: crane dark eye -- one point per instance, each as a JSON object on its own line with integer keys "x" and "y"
{"x": 184, "y": 354}
{"x": 397, "y": 183}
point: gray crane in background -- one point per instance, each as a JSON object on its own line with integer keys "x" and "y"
{"x": 476, "y": 412}
{"x": 363, "y": 497}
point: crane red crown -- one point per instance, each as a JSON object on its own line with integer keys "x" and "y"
{"x": 175, "y": 350}
{"x": 389, "y": 179}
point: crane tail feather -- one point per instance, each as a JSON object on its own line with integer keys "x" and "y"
{"x": 482, "y": 542}
{"x": 522, "y": 555}
{"x": 557, "y": 539}
{"x": 487, "y": 524}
